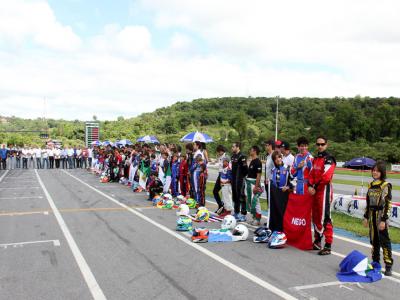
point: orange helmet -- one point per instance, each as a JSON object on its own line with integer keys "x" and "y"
{"x": 200, "y": 235}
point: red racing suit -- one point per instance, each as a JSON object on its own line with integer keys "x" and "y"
{"x": 184, "y": 178}
{"x": 320, "y": 178}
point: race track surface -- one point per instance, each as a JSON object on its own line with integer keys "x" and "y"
{"x": 65, "y": 235}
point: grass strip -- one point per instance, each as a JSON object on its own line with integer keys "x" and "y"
{"x": 359, "y": 184}
{"x": 358, "y": 173}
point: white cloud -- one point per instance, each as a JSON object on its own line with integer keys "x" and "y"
{"x": 130, "y": 41}
{"x": 257, "y": 48}
{"x": 21, "y": 20}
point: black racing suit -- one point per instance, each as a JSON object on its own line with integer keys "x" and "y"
{"x": 379, "y": 200}
{"x": 239, "y": 172}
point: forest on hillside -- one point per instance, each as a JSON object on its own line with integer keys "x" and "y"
{"x": 359, "y": 126}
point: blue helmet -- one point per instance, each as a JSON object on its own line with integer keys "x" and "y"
{"x": 184, "y": 223}
{"x": 278, "y": 240}
{"x": 262, "y": 235}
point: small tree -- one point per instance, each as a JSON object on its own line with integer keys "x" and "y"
{"x": 240, "y": 125}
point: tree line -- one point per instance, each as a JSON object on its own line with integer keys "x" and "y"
{"x": 359, "y": 126}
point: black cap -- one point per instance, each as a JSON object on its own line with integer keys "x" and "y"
{"x": 285, "y": 145}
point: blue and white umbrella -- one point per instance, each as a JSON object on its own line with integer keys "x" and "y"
{"x": 148, "y": 139}
{"x": 124, "y": 142}
{"x": 197, "y": 137}
{"x": 107, "y": 143}
{"x": 96, "y": 143}
{"x": 360, "y": 163}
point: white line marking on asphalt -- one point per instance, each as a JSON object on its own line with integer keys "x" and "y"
{"x": 103, "y": 186}
{"x": 56, "y": 243}
{"x": 27, "y": 181}
{"x": 23, "y": 213}
{"x": 91, "y": 282}
{"x": 2, "y": 176}
{"x": 323, "y": 284}
{"x": 345, "y": 287}
{"x": 210, "y": 254}
{"x": 392, "y": 278}
{"x": 28, "y": 197}
{"x": 21, "y": 188}
{"x": 19, "y": 177}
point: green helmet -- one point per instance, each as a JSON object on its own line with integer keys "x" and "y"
{"x": 191, "y": 203}
{"x": 184, "y": 224}
{"x": 169, "y": 204}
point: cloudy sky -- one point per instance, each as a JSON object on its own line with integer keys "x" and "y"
{"x": 73, "y": 59}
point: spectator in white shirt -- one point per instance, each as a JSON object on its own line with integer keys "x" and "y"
{"x": 45, "y": 157}
{"x": 288, "y": 158}
{"x": 38, "y": 157}
{"x": 70, "y": 154}
{"x": 50, "y": 153}
{"x": 25, "y": 158}
{"x": 90, "y": 157}
{"x": 57, "y": 157}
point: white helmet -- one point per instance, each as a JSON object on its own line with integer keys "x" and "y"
{"x": 167, "y": 197}
{"x": 240, "y": 233}
{"x": 183, "y": 210}
{"x": 229, "y": 222}
{"x": 181, "y": 199}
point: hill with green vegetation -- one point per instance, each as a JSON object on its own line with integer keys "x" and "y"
{"x": 359, "y": 126}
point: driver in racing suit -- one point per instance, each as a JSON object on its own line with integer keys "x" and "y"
{"x": 320, "y": 188}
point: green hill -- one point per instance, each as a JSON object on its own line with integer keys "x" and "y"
{"x": 355, "y": 126}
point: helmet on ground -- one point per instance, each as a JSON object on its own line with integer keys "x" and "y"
{"x": 181, "y": 199}
{"x": 202, "y": 215}
{"x": 191, "y": 203}
{"x": 183, "y": 210}
{"x": 160, "y": 202}
{"x": 184, "y": 224}
{"x": 229, "y": 222}
{"x": 156, "y": 199}
{"x": 168, "y": 204}
{"x": 104, "y": 179}
{"x": 277, "y": 240}
{"x": 167, "y": 197}
{"x": 200, "y": 235}
{"x": 262, "y": 235}
{"x": 241, "y": 232}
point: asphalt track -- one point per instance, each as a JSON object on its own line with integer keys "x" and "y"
{"x": 64, "y": 235}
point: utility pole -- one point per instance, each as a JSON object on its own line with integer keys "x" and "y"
{"x": 276, "y": 118}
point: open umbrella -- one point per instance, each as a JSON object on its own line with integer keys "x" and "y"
{"x": 360, "y": 163}
{"x": 197, "y": 137}
{"x": 148, "y": 139}
{"x": 107, "y": 143}
{"x": 123, "y": 142}
{"x": 96, "y": 143}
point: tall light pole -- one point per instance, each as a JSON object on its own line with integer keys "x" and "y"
{"x": 276, "y": 118}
